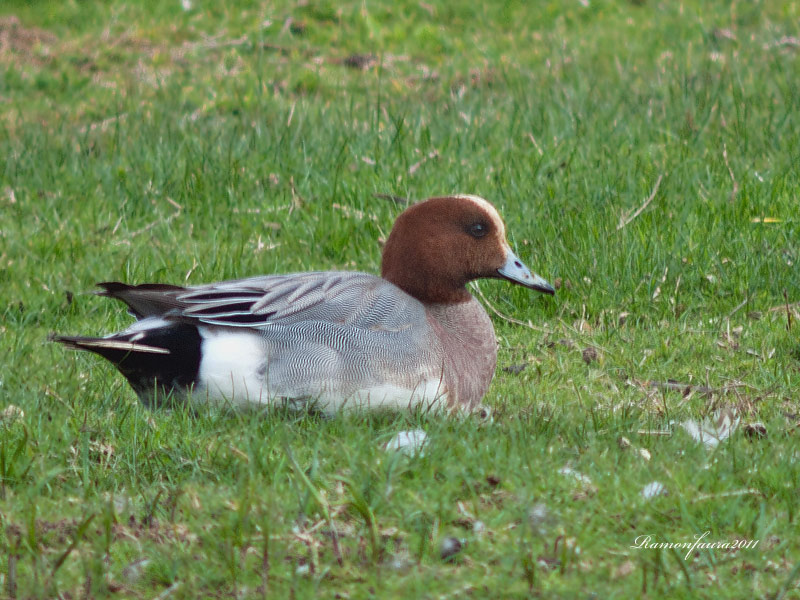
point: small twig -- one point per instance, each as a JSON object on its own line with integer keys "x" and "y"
{"x": 731, "y": 494}
{"x": 536, "y": 145}
{"x": 783, "y": 306}
{"x": 103, "y": 125}
{"x": 189, "y": 272}
{"x": 121, "y": 216}
{"x": 579, "y": 331}
{"x": 172, "y": 202}
{"x": 297, "y": 199}
{"x": 210, "y": 43}
{"x": 700, "y": 389}
{"x": 625, "y": 219}
{"x": 685, "y": 388}
{"x": 788, "y": 312}
{"x": 501, "y": 315}
{"x": 735, "y": 310}
{"x": 657, "y": 292}
{"x": 168, "y": 592}
{"x": 396, "y": 199}
{"x": 735, "y": 189}
{"x": 675, "y": 293}
{"x": 148, "y": 227}
{"x": 117, "y": 224}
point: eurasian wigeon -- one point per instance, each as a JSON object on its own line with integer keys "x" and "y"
{"x": 413, "y": 337}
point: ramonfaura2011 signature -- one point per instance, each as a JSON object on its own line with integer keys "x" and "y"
{"x": 649, "y": 542}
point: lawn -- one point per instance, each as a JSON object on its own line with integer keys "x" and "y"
{"x": 646, "y": 158}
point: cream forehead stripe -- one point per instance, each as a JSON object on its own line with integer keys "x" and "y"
{"x": 488, "y": 208}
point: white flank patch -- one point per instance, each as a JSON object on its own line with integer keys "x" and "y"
{"x": 409, "y": 443}
{"x": 230, "y": 364}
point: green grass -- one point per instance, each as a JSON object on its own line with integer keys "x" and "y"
{"x": 143, "y": 142}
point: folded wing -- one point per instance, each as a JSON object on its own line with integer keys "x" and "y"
{"x": 352, "y": 299}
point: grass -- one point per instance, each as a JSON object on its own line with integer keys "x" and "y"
{"x": 145, "y": 142}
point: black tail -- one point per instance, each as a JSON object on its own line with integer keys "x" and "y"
{"x": 166, "y": 356}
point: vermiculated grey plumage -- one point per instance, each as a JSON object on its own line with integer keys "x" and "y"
{"x": 320, "y": 333}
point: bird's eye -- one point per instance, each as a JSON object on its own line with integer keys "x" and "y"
{"x": 478, "y": 230}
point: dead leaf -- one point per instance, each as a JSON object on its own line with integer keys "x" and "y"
{"x": 360, "y": 61}
{"x": 589, "y": 355}
{"x": 582, "y": 326}
{"x": 12, "y": 413}
{"x": 562, "y": 342}
{"x": 450, "y": 547}
{"x": 755, "y": 430}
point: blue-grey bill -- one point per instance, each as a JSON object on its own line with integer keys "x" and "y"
{"x": 514, "y": 270}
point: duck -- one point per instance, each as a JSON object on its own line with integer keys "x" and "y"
{"x": 412, "y": 338}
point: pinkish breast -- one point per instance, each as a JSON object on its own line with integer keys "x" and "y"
{"x": 470, "y": 350}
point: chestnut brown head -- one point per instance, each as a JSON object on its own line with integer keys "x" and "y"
{"x": 437, "y": 246}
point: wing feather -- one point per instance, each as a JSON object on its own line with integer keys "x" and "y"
{"x": 356, "y": 299}
{"x": 339, "y": 297}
